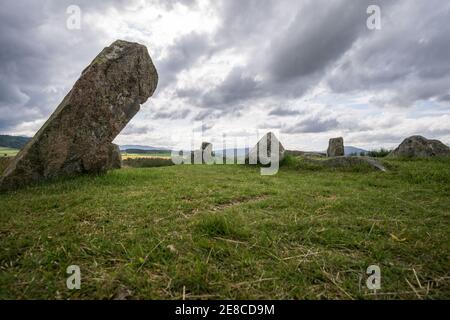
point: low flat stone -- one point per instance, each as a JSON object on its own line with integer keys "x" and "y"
{"x": 347, "y": 162}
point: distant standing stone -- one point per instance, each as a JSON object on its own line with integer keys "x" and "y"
{"x": 418, "y": 146}
{"x": 336, "y": 147}
{"x": 264, "y": 148}
{"x": 207, "y": 153}
{"x": 206, "y": 145}
{"x": 77, "y": 138}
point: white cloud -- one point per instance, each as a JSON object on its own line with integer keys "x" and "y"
{"x": 308, "y": 68}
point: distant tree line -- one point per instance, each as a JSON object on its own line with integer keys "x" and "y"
{"x": 13, "y": 141}
{"x": 373, "y": 153}
{"x": 140, "y": 151}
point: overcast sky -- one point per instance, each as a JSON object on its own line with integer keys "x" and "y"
{"x": 310, "y": 70}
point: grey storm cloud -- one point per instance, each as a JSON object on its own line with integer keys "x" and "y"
{"x": 329, "y": 41}
{"x": 245, "y": 23}
{"x": 313, "y": 124}
{"x": 205, "y": 114}
{"x": 237, "y": 88}
{"x": 33, "y": 76}
{"x": 40, "y": 58}
{"x": 173, "y": 115}
{"x": 289, "y": 48}
{"x": 182, "y": 54}
{"x": 284, "y": 112}
{"x": 289, "y": 59}
{"x": 132, "y": 129}
{"x": 408, "y": 57}
{"x": 444, "y": 98}
{"x": 313, "y": 41}
{"x": 216, "y": 114}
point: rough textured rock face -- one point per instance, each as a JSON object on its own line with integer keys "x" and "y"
{"x": 115, "y": 157}
{"x": 270, "y": 139}
{"x": 418, "y": 146}
{"x": 336, "y": 147}
{"x": 77, "y": 138}
{"x": 4, "y": 162}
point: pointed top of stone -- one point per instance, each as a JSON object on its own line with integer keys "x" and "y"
{"x": 206, "y": 145}
{"x": 270, "y": 138}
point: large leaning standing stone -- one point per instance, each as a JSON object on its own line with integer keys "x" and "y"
{"x": 418, "y": 146}
{"x": 336, "y": 147}
{"x": 77, "y": 138}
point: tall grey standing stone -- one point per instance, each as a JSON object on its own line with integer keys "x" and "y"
{"x": 335, "y": 147}
{"x": 207, "y": 153}
{"x": 77, "y": 137}
{"x": 264, "y": 148}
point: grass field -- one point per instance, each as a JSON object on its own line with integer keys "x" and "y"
{"x": 8, "y": 152}
{"x": 146, "y": 162}
{"x": 227, "y": 232}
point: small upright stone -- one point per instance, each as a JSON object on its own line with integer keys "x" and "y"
{"x": 336, "y": 147}
{"x": 207, "y": 153}
{"x": 77, "y": 138}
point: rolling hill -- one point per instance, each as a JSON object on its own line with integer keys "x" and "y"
{"x": 14, "y": 142}
{"x": 139, "y": 147}
{"x": 348, "y": 150}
